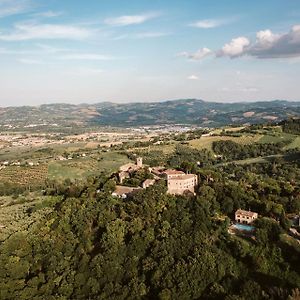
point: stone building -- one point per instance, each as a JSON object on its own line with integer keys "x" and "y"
{"x": 148, "y": 182}
{"x": 245, "y": 216}
{"x": 124, "y": 191}
{"x": 179, "y": 183}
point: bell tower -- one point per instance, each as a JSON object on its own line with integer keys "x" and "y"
{"x": 139, "y": 162}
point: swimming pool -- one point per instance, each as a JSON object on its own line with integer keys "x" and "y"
{"x": 243, "y": 227}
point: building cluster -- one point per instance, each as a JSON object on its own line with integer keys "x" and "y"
{"x": 178, "y": 182}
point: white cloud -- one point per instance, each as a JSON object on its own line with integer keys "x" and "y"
{"x": 193, "y": 77}
{"x": 130, "y": 19}
{"x": 31, "y": 31}
{"x": 235, "y": 48}
{"x": 207, "y": 24}
{"x": 266, "y": 45}
{"x": 86, "y": 56}
{"x": 266, "y": 38}
{"x": 14, "y": 7}
{"x": 270, "y": 45}
{"x": 212, "y": 23}
{"x": 198, "y": 55}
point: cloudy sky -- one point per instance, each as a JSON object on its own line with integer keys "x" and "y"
{"x": 141, "y": 50}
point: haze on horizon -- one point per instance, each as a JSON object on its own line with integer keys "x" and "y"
{"x": 140, "y": 51}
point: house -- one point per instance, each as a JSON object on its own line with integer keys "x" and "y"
{"x": 148, "y": 182}
{"x": 124, "y": 191}
{"x": 245, "y": 217}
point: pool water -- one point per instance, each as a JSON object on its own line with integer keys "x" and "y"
{"x": 243, "y": 227}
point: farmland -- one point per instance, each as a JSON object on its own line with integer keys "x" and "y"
{"x": 25, "y": 176}
{"x": 78, "y": 159}
{"x": 206, "y": 142}
{"x": 84, "y": 167}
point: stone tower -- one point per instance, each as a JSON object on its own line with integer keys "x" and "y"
{"x": 139, "y": 162}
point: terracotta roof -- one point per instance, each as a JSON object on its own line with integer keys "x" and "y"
{"x": 245, "y": 213}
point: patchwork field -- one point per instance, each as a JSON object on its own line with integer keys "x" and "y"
{"x": 294, "y": 144}
{"x": 83, "y": 167}
{"x": 206, "y": 142}
{"x": 277, "y": 138}
{"x": 60, "y": 170}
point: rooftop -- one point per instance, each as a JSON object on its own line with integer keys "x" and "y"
{"x": 149, "y": 181}
{"x": 245, "y": 213}
{"x": 173, "y": 172}
{"x": 121, "y": 190}
{"x": 184, "y": 177}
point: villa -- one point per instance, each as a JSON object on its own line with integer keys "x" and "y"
{"x": 245, "y": 217}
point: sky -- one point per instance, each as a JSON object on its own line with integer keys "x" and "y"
{"x": 140, "y": 51}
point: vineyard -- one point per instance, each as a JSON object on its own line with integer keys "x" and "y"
{"x": 25, "y": 176}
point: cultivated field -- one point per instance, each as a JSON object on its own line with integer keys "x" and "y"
{"x": 25, "y": 176}
{"x": 84, "y": 167}
{"x": 206, "y": 142}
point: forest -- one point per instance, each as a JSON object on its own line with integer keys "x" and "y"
{"x": 87, "y": 244}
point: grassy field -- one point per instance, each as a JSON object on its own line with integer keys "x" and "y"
{"x": 294, "y": 144}
{"x": 277, "y": 138}
{"x": 73, "y": 169}
{"x": 81, "y": 168}
{"x": 166, "y": 149}
{"x": 207, "y": 141}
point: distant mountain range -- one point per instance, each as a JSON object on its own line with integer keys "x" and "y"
{"x": 186, "y": 111}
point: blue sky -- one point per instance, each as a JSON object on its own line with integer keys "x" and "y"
{"x": 140, "y": 50}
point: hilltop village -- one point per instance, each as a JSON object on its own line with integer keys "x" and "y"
{"x": 178, "y": 182}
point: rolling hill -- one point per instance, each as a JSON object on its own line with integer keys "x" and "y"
{"x": 186, "y": 111}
